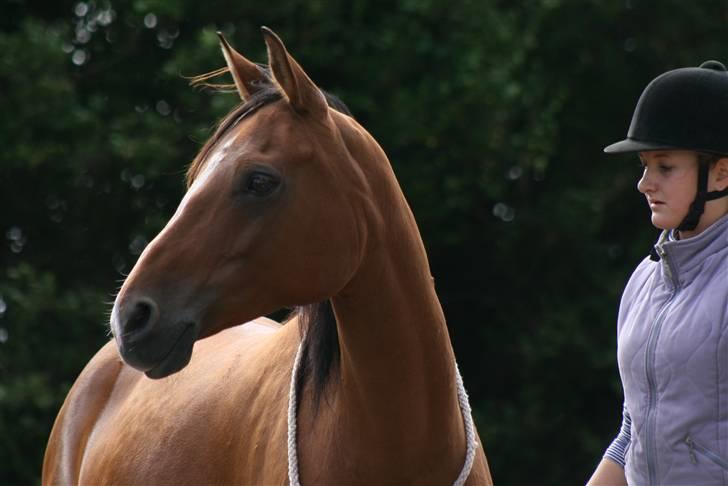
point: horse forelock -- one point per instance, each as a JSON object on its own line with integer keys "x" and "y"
{"x": 264, "y": 97}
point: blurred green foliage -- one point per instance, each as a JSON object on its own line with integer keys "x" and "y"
{"x": 493, "y": 113}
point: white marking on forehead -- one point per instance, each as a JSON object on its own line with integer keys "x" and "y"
{"x": 220, "y": 152}
{"x": 213, "y": 161}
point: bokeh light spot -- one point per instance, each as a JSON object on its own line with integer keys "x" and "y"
{"x": 81, "y": 9}
{"x": 79, "y": 57}
{"x": 163, "y": 108}
{"x": 150, "y": 21}
{"x": 504, "y": 212}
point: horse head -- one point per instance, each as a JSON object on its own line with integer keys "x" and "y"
{"x": 274, "y": 216}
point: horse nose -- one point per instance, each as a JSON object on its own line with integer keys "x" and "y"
{"x": 141, "y": 320}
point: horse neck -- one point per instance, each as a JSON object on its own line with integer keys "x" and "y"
{"x": 397, "y": 364}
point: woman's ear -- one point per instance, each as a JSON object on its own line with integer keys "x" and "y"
{"x": 720, "y": 174}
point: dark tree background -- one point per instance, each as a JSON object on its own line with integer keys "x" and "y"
{"x": 494, "y": 114}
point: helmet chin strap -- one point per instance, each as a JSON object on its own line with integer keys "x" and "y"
{"x": 698, "y": 206}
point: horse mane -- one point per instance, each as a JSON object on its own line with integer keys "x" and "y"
{"x": 317, "y": 323}
{"x": 320, "y": 355}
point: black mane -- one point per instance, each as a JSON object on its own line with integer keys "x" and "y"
{"x": 320, "y": 355}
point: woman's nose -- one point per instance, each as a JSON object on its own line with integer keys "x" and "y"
{"x": 645, "y": 184}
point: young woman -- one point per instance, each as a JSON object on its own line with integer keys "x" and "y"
{"x": 672, "y": 327}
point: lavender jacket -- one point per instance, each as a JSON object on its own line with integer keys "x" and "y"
{"x": 672, "y": 336}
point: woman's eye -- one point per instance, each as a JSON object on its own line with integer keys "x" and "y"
{"x": 260, "y": 184}
{"x": 665, "y": 168}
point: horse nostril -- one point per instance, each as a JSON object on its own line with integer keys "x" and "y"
{"x": 143, "y": 316}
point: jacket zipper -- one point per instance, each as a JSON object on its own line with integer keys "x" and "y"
{"x": 694, "y": 446}
{"x": 652, "y": 338}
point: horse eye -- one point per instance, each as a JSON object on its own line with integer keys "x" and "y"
{"x": 260, "y": 184}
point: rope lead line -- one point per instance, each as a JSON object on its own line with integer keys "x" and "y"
{"x": 293, "y": 479}
{"x": 471, "y": 444}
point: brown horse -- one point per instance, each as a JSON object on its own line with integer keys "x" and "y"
{"x": 291, "y": 203}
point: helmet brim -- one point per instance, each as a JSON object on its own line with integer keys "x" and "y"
{"x": 630, "y": 145}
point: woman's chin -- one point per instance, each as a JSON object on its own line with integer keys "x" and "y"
{"x": 661, "y": 222}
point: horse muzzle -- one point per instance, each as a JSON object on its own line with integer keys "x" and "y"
{"x": 149, "y": 342}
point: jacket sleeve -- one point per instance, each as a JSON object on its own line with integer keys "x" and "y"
{"x": 617, "y": 450}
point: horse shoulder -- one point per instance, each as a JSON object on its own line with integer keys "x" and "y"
{"x": 78, "y": 415}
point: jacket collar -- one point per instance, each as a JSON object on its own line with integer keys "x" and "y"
{"x": 682, "y": 259}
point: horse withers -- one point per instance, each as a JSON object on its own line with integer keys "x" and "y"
{"x": 291, "y": 203}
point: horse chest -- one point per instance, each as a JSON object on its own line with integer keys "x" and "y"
{"x": 202, "y": 447}
{"x": 224, "y": 430}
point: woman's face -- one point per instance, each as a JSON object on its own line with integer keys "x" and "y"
{"x": 669, "y": 182}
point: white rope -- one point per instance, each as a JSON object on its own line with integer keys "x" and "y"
{"x": 292, "y": 427}
{"x": 470, "y": 441}
{"x": 471, "y": 444}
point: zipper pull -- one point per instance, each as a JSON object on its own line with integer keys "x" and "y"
{"x": 691, "y": 449}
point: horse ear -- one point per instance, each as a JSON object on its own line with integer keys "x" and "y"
{"x": 247, "y": 76}
{"x": 302, "y": 93}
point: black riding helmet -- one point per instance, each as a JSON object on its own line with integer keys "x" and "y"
{"x": 683, "y": 109}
